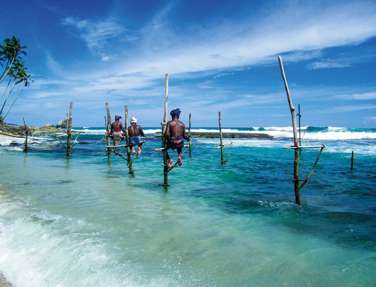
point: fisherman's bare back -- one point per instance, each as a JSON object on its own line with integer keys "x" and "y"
{"x": 175, "y": 129}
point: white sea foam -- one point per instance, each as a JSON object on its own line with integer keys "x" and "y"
{"x": 41, "y": 249}
{"x": 345, "y": 147}
{"x": 7, "y": 140}
{"x": 329, "y": 133}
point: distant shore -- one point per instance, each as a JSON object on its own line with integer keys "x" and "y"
{"x": 3, "y": 281}
{"x": 17, "y": 131}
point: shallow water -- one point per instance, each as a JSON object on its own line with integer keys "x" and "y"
{"x": 86, "y": 222}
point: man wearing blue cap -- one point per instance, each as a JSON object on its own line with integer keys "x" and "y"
{"x": 175, "y": 136}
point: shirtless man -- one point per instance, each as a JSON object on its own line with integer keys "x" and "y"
{"x": 135, "y": 133}
{"x": 175, "y": 136}
{"x": 117, "y": 130}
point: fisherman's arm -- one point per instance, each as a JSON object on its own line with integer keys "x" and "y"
{"x": 122, "y": 128}
{"x": 184, "y": 133}
{"x": 141, "y": 131}
{"x": 167, "y": 131}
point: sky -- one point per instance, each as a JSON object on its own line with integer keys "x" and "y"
{"x": 220, "y": 55}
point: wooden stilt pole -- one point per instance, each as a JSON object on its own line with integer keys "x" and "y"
{"x": 300, "y": 127}
{"x": 352, "y": 160}
{"x": 221, "y": 138}
{"x": 295, "y": 138}
{"x": 164, "y": 140}
{"x": 26, "y": 148}
{"x": 108, "y": 128}
{"x": 69, "y": 131}
{"x": 129, "y": 157}
{"x": 189, "y": 134}
{"x": 106, "y": 136}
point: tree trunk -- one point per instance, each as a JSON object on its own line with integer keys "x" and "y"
{"x": 7, "y": 69}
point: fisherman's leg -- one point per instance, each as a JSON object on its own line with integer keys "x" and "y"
{"x": 169, "y": 160}
{"x": 139, "y": 149}
{"x": 180, "y": 154}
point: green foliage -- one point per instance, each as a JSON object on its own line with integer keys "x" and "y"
{"x": 14, "y": 72}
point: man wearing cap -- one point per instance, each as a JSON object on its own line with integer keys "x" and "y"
{"x": 117, "y": 130}
{"x": 135, "y": 133}
{"x": 175, "y": 136}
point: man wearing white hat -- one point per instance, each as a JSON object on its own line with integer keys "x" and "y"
{"x": 135, "y": 133}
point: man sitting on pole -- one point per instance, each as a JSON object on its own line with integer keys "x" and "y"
{"x": 135, "y": 133}
{"x": 117, "y": 130}
{"x": 175, "y": 136}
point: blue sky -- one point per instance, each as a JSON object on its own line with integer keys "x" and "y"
{"x": 221, "y": 56}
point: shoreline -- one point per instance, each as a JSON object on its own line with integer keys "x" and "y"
{"x": 3, "y": 281}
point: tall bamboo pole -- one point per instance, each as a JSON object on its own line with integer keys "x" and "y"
{"x": 69, "y": 130}
{"x": 221, "y": 138}
{"x": 129, "y": 157}
{"x": 26, "y": 148}
{"x": 295, "y": 138}
{"x": 189, "y": 134}
{"x": 164, "y": 140}
{"x": 352, "y": 160}
{"x": 108, "y": 128}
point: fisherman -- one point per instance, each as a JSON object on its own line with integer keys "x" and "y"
{"x": 117, "y": 130}
{"x": 135, "y": 133}
{"x": 175, "y": 136}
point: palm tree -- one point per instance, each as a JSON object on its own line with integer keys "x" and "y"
{"x": 10, "y": 51}
{"x": 21, "y": 76}
{"x": 15, "y": 71}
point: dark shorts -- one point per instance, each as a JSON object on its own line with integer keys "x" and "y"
{"x": 136, "y": 140}
{"x": 176, "y": 144}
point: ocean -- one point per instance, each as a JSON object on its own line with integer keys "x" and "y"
{"x": 84, "y": 221}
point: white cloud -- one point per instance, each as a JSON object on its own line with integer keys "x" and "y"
{"x": 328, "y": 64}
{"x": 96, "y": 33}
{"x": 53, "y": 65}
{"x": 353, "y": 108}
{"x": 360, "y": 96}
{"x": 364, "y": 96}
{"x": 299, "y": 32}
{"x": 285, "y": 32}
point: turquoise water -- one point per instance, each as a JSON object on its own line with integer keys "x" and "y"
{"x": 84, "y": 221}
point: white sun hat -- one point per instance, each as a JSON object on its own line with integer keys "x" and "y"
{"x": 133, "y": 120}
